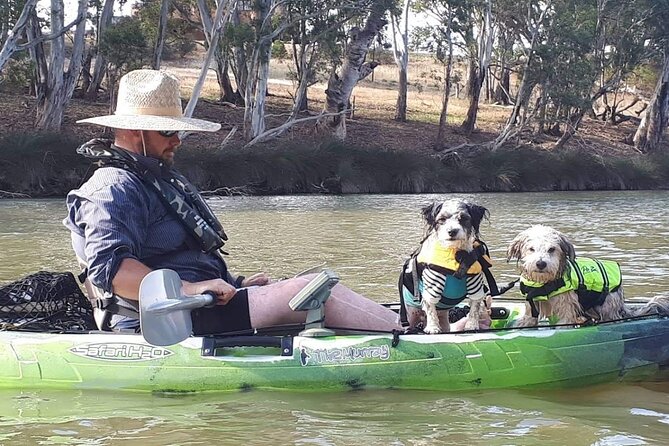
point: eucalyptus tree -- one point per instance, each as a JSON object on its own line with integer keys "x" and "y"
{"x": 55, "y": 84}
{"x": 314, "y": 32}
{"x": 354, "y": 68}
{"x": 162, "y": 32}
{"x": 654, "y": 123}
{"x": 104, "y": 19}
{"x": 14, "y": 16}
{"x": 479, "y": 37}
{"x": 399, "y": 19}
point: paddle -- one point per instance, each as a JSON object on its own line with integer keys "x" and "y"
{"x": 164, "y": 313}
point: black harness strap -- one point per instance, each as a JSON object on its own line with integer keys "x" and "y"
{"x": 532, "y": 293}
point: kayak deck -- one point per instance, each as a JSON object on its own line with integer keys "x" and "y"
{"x": 633, "y": 349}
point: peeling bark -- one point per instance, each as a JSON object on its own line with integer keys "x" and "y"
{"x": 100, "y": 67}
{"x": 54, "y": 91}
{"x": 401, "y": 56}
{"x": 654, "y": 122}
{"x": 11, "y": 44}
{"x": 340, "y": 87}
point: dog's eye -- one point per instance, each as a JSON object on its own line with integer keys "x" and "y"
{"x": 463, "y": 217}
{"x": 551, "y": 250}
{"x": 531, "y": 249}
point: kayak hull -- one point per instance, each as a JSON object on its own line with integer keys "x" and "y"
{"x": 507, "y": 358}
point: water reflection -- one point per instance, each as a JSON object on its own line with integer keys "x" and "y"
{"x": 614, "y": 414}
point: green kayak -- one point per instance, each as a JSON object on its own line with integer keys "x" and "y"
{"x": 632, "y": 349}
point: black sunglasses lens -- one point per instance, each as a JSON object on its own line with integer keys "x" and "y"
{"x": 167, "y": 133}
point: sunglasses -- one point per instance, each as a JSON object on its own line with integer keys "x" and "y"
{"x": 167, "y": 133}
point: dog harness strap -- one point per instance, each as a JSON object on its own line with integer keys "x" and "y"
{"x": 483, "y": 257}
{"x": 404, "y": 320}
{"x": 533, "y": 307}
{"x": 532, "y": 293}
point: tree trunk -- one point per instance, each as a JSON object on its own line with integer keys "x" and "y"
{"x": 401, "y": 105}
{"x": 100, "y": 68}
{"x": 11, "y": 44}
{"x": 338, "y": 93}
{"x": 223, "y": 12}
{"x": 239, "y": 66}
{"x": 485, "y": 44}
{"x": 258, "y": 73}
{"x": 54, "y": 95}
{"x": 160, "y": 38}
{"x": 303, "y": 68}
{"x": 443, "y": 117}
{"x": 401, "y": 55}
{"x": 258, "y": 101}
{"x": 226, "y": 92}
{"x": 654, "y": 122}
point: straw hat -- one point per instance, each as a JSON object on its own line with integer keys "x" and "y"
{"x": 149, "y": 100}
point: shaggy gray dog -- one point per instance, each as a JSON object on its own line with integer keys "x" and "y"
{"x": 545, "y": 257}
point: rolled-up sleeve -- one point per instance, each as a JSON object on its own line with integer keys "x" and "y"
{"x": 112, "y": 215}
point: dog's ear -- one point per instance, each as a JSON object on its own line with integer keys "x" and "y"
{"x": 478, "y": 213}
{"x": 515, "y": 249}
{"x": 430, "y": 213}
{"x": 566, "y": 246}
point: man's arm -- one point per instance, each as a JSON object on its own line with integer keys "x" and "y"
{"x": 131, "y": 272}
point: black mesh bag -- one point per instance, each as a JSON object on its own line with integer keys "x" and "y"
{"x": 45, "y": 301}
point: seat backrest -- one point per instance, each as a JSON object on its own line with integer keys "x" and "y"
{"x": 94, "y": 293}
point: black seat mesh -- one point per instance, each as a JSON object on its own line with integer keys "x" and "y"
{"x": 45, "y": 301}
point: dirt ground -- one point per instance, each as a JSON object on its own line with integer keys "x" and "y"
{"x": 372, "y": 124}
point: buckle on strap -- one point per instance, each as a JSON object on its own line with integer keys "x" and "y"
{"x": 103, "y": 303}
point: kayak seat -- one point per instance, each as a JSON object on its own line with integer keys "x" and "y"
{"x": 102, "y": 317}
{"x": 312, "y": 299}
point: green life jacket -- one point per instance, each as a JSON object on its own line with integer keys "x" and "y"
{"x": 592, "y": 280}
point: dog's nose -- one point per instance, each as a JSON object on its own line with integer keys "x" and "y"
{"x": 541, "y": 264}
{"x": 453, "y": 232}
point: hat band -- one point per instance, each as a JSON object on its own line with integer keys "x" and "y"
{"x": 152, "y": 111}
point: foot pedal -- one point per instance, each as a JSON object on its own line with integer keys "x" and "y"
{"x": 312, "y": 299}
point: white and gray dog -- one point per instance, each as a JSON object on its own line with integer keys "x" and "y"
{"x": 548, "y": 262}
{"x": 448, "y": 266}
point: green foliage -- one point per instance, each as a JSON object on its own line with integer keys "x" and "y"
{"x": 125, "y": 46}
{"x": 17, "y": 74}
{"x": 279, "y": 50}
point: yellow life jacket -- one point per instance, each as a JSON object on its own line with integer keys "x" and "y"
{"x": 434, "y": 253}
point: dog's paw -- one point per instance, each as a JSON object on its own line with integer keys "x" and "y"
{"x": 472, "y": 324}
{"x": 432, "y": 329}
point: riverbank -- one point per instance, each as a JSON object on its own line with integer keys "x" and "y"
{"x": 380, "y": 155}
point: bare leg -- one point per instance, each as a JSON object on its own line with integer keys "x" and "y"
{"x": 268, "y": 306}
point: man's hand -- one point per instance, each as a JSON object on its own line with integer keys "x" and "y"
{"x": 258, "y": 279}
{"x": 223, "y": 290}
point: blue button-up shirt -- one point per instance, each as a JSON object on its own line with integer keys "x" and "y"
{"x": 114, "y": 216}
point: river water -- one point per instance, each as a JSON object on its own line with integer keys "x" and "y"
{"x": 364, "y": 239}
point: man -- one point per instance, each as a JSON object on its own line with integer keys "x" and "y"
{"x": 136, "y": 214}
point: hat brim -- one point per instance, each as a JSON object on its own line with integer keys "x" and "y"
{"x": 152, "y": 122}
